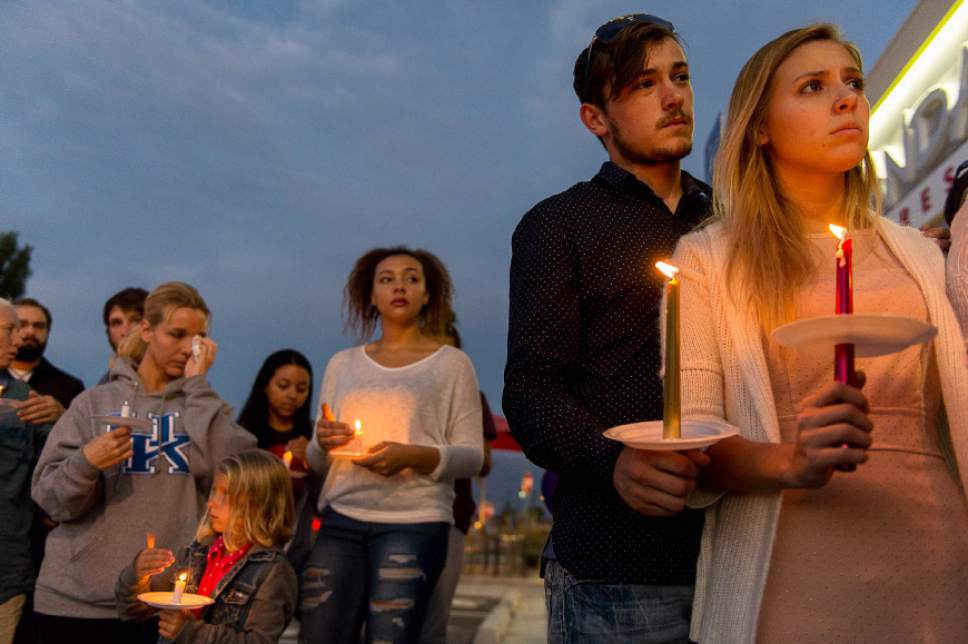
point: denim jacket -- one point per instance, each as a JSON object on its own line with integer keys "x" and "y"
{"x": 254, "y": 600}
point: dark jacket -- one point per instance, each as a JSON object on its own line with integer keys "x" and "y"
{"x": 584, "y": 355}
{"x": 48, "y": 380}
{"x": 254, "y": 601}
{"x": 20, "y": 446}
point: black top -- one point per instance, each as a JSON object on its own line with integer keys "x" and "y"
{"x": 584, "y": 355}
{"x": 48, "y": 380}
{"x": 464, "y": 504}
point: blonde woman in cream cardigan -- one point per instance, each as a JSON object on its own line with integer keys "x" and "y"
{"x": 794, "y": 548}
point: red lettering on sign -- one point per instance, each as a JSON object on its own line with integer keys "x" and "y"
{"x": 926, "y": 200}
{"x": 905, "y": 216}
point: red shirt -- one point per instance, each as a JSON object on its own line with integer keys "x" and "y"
{"x": 218, "y": 563}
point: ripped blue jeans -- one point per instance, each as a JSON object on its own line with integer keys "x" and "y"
{"x": 377, "y": 574}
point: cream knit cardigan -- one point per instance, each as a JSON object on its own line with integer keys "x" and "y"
{"x": 724, "y": 373}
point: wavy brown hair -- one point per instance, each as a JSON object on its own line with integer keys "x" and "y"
{"x": 361, "y": 316}
{"x": 261, "y": 509}
{"x": 767, "y": 241}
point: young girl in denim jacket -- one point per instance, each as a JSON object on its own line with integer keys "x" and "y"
{"x": 236, "y": 558}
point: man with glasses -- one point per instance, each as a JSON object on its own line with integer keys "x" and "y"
{"x": 54, "y": 389}
{"x": 584, "y": 350}
{"x": 20, "y": 445}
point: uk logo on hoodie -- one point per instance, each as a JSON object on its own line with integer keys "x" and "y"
{"x": 162, "y": 441}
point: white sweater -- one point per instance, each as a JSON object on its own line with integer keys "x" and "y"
{"x": 724, "y": 373}
{"x": 434, "y": 401}
{"x": 957, "y": 264}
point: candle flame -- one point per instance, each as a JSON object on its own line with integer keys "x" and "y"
{"x": 287, "y": 458}
{"x": 359, "y": 427}
{"x": 668, "y": 270}
{"x": 183, "y": 577}
{"x": 839, "y": 231}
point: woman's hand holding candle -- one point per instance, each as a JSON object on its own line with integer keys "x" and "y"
{"x": 833, "y": 430}
{"x": 332, "y": 434}
{"x": 108, "y": 449}
{"x": 297, "y": 448}
{"x": 389, "y": 458}
{"x": 152, "y": 561}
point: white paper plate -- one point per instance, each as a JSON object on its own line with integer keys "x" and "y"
{"x": 871, "y": 335}
{"x": 162, "y": 599}
{"x": 697, "y": 433}
{"x": 118, "y": 421}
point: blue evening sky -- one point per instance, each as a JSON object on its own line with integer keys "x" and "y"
{"x": 255, "y": 149}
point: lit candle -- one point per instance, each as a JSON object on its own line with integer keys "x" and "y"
{"x": 358, "y": 437}
{"x": 287, "y": 458}
{"x": 150, "y": 540}
{"x": 328, "y": 413}
{"x": 176, "y": 597}
{"x": 844, "y": 353}
{"x": 671, "y": 405}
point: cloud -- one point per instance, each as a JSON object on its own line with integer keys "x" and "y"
{"x": 257, "y": 148}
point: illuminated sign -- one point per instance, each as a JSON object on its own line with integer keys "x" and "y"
{"x": 919, "y": 127}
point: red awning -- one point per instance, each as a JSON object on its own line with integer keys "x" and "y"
{"x": 504, "y": 439}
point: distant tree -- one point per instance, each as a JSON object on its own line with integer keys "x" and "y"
{"x": 14, "y": 266}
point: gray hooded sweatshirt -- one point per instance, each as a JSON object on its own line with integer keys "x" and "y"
{"x": 162, "y": 489}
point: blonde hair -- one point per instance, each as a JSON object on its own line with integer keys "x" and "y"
{"x": 767, "y": 241}
{"x": 158, "y": 306}
{"x": 261, "y": 509}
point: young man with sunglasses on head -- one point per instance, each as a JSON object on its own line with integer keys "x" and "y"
{"x": 584, "y": 350}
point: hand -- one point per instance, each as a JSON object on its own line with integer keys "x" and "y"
{"x": 38, "y": 410}
{"x": 152, "y": 561}
{"x": 109, "y": 448}
{"x": 331, "y": 434}
{"x": 388, "y": 458}
{"x": 940, "y": 234}
{"x": 833, "y": 431}
{"x": 656, "y": 483}
{"x": 298, "y": 448}
{"x": 171, "y": 622}
{"x": 206, "y": 357}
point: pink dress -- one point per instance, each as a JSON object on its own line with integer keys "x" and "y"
{"x": 880, "y": 554}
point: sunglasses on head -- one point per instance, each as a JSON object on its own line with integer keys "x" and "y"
{"x": 608, "y": 32}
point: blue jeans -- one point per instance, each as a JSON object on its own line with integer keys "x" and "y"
{"x": 380, "y": 574}
{"x": 595, "y": 612}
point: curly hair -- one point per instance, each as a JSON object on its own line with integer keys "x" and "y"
{"x": 361, "y": 316}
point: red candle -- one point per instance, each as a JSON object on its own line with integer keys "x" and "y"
{"x": 844, "y": 353}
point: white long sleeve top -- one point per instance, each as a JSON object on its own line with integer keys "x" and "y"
{"x": 724, "y": 373}
{"x": 956, "y": 276}
{"x": 434, "y": 402}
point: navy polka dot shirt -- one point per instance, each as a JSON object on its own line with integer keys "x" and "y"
{"x": 584, "y": 355}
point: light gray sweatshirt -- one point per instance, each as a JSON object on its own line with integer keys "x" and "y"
{"x": 162, "y": 489}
